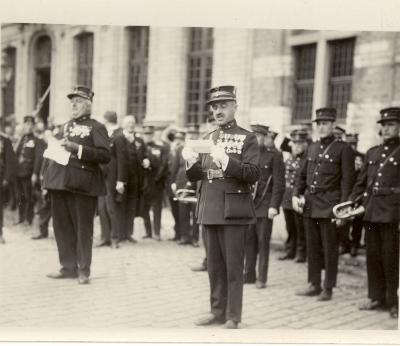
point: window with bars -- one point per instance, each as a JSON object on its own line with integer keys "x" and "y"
{"x": 138, "y": 43}
{"x": 304, "y": 82}
{"x": 9, "y": 55}
{"x": 341, "y": 54}
{"x": 200, "y": 61}
{"x": 85, "y": 59}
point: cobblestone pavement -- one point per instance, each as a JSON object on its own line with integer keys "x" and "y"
{"x": 150, "y": 284}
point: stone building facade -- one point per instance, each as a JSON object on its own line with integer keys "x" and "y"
{"x": 161, "y": 74}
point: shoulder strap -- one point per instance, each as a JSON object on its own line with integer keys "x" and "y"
{"x": 323, "y": 154}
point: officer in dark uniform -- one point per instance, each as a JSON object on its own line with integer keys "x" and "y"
{"x": 154, "y": 182}
{"x": 379, "y": 185}
{"x": 106, "y": 204}
{"x": 294, "y": 221}
{"x": 74, "y": 187}
{"x": 351, "y": 232}
{"x": 28, "y": 154}
{"x": 326, "y": 179}
{"x": 339, "y": 132}
{"x": 129, "y": 154}
{"x": 268, "y": 193}
{"x": 8, "y": 162}
{"x": 225, "y": 207}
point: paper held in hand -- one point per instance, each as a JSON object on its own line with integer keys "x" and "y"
{"x": 56, "y": 152}
{"x": 200, "y": 146}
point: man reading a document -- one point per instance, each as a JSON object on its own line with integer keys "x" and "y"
{"x": 74, "y": 186}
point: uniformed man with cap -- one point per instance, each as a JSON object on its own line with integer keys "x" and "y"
{"x": 28, "y": 154}
{"x": 267, "y": 193}
{"x": 225, "y": 207}
{"x": 378, "y": 184}
{"x": 325, "y": 179}
{"x": 154, "y": 182}
{"x": 296, "y": 244}
{"x": 339, "y": 132}
{"x": 8, "y": 165}
{"x": 74, "y": 188}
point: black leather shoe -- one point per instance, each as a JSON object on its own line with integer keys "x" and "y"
{"x": 230, "y": 324}
{"x": 310, "y": 291}
{"x": 103, "y": 243}
{"x": 260, "y": 284}
{"x": 195, "y": 244}
{"x": 199, "y": 268}
{"x": 325, "y": 295}
{"x": 146, "y": 236}
{"x": 372, "y": 305}
{"x": 184, "y": 242}
{"x": 114, "y": 244}
{"x": 343, "y": 250}
{"x": 62, "y": 275}
{"x": 83, "y": 280}
{"x": 285, "y": 257}
{"x": 394, "y": 311}
{"x": 2, "y": 240}
{"x": 209, "y": 320}
{"x": 353, "y": 251}
{"x": 300, "y": 259}
{"x": 40, "y": 236}
{"x": 174, "y": 239}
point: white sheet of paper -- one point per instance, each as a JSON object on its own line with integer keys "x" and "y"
{"x": 56, "y": 152}
{"x": 201, "y": 146}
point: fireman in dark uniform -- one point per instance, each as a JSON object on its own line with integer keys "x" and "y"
{"x": 268, "y": 193}
{"x": 296, "y": 244}
{"x": 74, "y": 187}
{"x": 154, "y": 182}
{"x": 28, "y": 154}
{"x": 225, "y": 207}
{"x": 325, "y": 179}
{"x": 379, "y": 185}
{"x": 8, "y": 162}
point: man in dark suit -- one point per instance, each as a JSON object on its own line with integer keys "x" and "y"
{"x": 225, "y": 207}
{"x": 325, "y": 179}
{"x": 155, "y": 176}
{"x": 105, "y": 205}
{"x": 130, "y": 157}
{"x": 29, "y": 152}
{"x": 8, "y": 163}
{"x": 378, "y": 184}
{"x": 74, "y": 187}
{"x": 296, "y": 243}
{"x": 268, "y": 193}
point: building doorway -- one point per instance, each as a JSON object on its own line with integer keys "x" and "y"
{"x": 42, "y": 68}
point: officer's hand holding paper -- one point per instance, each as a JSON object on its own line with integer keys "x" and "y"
{"x": 219, "y": 156}
{"x": 56, "y": 152}
{"x": 190, "y": 156}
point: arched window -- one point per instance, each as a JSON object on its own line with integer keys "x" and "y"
{"x": 200, "y": 61}
{"x": 84, "y": 45}
{"x": 138, "y": 43}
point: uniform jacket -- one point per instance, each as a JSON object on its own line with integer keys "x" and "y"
{"x": 381, "y": 190}
{"x": 126, "y": 171}
{"x": 86, "y": 170}
{"x": 292, "y": 168}
{"x": 222, "y": 201}
{"x": 110, "y": 166}
{"x": 325, "y": 179}
{"x": 8, "y": 160}
{"x": 271, "y": 165}
{"x": 29, "y": 152}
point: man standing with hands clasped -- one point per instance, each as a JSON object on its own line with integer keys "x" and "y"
{"x": 225, "y": 207}
{"x": 325, "y": 179}
{"x": 74, "y": 187}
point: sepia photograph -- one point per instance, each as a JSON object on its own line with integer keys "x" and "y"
{"x": 197, "y": 178}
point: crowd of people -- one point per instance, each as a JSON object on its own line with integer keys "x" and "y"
{"x": 228, "y": 195}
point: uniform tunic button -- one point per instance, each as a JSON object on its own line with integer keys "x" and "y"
{"x": 365, "y": 194}
{"x": 383, "y": 155}
{"x": 386, "y": 148}
{"x": 314, "y": 182}
{"x": 379, "y": 174}
{"x": 376, "y": 183}
{"x": 381, "y": 164}
{"x": 322, "y": 147}
{"x": 320, "y": 155}
{"x": 316, "y": 173}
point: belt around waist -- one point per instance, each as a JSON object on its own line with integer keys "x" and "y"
{"x": 386, "y": 190}
{"x": 315, "y": 189}
{"x": 211, "y": 174}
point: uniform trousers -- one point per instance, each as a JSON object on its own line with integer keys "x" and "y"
{"x": 322, "y": 251}
{"x": 1, "y": 205}
{"x": 175, "y": 214}
{"x": 125, "y": 212}
{"x": 45, "y": 215}
{"x": 155, "y": 204}
{"x": 25, "y": 199}
{"x": 225, "y": 257}
{"x": 258, "y": 238}
{"x": 382, "y": 241}
{"x": 187, "y": 221}
{"x": 350, "y": 233}
{"x": 296, "y": 234}
{"x": 73, "y": 216}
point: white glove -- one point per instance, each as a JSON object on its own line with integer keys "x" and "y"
{"x": 189, "y": 154}
{"x": 120, "y": 187}
{"x": 296, "y": 204}
{"x": 173, "y": 187}
{"x": 146, "y": 163}
{"x": 219, "y": 156}
{"x": 272, "y": 212}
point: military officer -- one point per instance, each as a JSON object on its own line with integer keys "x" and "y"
{"x": 74, "y": 187}
{"x": 325, "y": 179}
{"x": 225, "y": 207}
{"x": 268, "y": 193}
{"x": 8, "y": 162}
{"x": 339, "y": 132}
{"x": 154, "y": 182}
{"x": 379, "y": 185}
{"x": 28, "y": 154}
{"x": 296, "y": 243}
